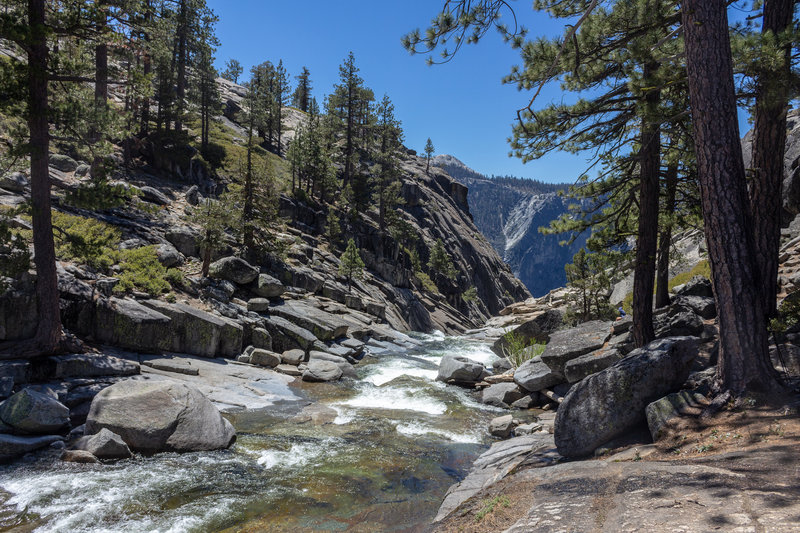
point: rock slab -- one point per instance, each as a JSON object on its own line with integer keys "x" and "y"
{"x": 33, "y": 412}
{"x": 605, "y": 405}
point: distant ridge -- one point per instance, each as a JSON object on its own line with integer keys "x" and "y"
{"x": 509, "y": 212}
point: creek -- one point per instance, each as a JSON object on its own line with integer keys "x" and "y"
{"x": 376, "y": 454}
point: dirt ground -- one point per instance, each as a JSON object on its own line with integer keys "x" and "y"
{"x": 750, "y": 450}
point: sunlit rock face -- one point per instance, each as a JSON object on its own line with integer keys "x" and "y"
{"x": 510, "y": 215}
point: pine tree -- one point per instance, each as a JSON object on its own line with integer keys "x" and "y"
{"x": 351, "y": 265}
{"x": 429, "y": 149}
{"x": 212, "y": 217}
{"x": 441, "y": 262}
{"x": 349, "y": 106}
{"x": 301, "y": 98}
{"x": 390, "y": 137}
{"x": 233, "y": 69}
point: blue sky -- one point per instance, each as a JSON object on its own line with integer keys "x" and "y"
{"x": 462, "y": 105}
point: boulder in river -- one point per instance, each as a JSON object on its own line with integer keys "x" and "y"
{"x": 605, "y": 405}
{"x": 502, "y": 426}
{"x": 33, "y": 412}
{"x": 460, "y": 370}
{"x": 104, "y": 445}
{"x": 160, "y": 416}
{"x": 321, "y": 370}
{"x": 13, "y": 446}
{"x": 502, "y": 394}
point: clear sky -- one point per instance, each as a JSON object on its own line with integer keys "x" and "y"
{"x": 462, "y": 105}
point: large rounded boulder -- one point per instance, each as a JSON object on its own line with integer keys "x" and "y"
{"x": 605, "y": 405}
{"x": 160, "y": 416}
{"x": 233, "y": 269}
{"x": 32, "y": 412}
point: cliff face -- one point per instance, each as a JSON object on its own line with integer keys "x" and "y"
{"x": 509, "y": 213}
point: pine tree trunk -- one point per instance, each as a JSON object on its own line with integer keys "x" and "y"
{"x": 145, "y": 124}
{"x": 247, "y": 211}
{"x": 647, "y": 238}
{"x": 181, "y": 81}
{"x": 769, "y": 144}
{"x": 48, "y": 332}
{"x": 100, "y": 89}
{"x": 665, "y": 238}
{"x": 743, "y": 356}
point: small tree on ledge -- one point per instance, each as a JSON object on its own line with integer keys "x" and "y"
{"x": 351, "y": 266}
{"x": 428, "y": 154}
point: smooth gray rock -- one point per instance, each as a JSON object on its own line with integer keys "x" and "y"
{"x": 288, "y": 336}
{"x": 623, "y": 325}
{"x": 320, "y": 370}
{"x": 129, "y": 324}
{"x": 678, "y": 322}
{"x": 233, "y": 269}
{"x": 176, "y": 366}
{"x": 534, "y": 375}
{"x": 261, "y": 338}
{"x": 704, "y": 306}
{"x": 264, "y": 358}
{"x": 14, "y": 182}
{"x": 502, "y": 426}
{"x": 154, "y": 196}
{"x": 35, "y": 413}
{"x": 496, "y": 463}
{"x": 197, "y": 332}
{"x": 460, "y": 370}
{"x": 13, "y": 446}
{"x": 184, "y": 239}
{"x": 86, "y": 365}
{"x": 591, "y": 363}
{"x": 605, "y": 405}
{"x": 293, "y": 357}
{"x": 82, "y": 170}
{"x": 169, "y": 256}
{"x": 661, "y": 412}
{"x": 159, "y": 416}
{"x": 104, "y": 445}
{"x": 61, "y": 162}
{"x": 6, "y": 386}
{"x": 323, "y": 325}
{"x": 258, "y": 305}
{"x": 568, "y": 344}
{"x": 502, "y": 394}
{"x": 79, "y": 456}
{"x": 268, "y": 287}
{"x": 193, "y": 195}
{"x": 697, "y": 286}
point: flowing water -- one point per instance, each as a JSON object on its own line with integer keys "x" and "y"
{"x": 373, "y": 455}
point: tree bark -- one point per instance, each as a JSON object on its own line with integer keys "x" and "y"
{"x": 48, "y": 332}
{"x": 743, "y": 356}
{"x": 665, "y": 238}
{"x": 769, "y": 145}
{"x": 180, "y": 86}
{"x": 647, "y": 238}
{"x": 100, "y": 86}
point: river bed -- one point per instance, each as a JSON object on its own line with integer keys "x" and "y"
{"x": 371, "y": 455}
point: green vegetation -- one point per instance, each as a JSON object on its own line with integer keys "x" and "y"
{"x": 351, "y": 266}
{"x": 427, "y": 283}
{"x": 788, "y": 313}
{"x": 489, "y": 505}
{"x": 140, "y": 270}
{"x": 441, "y": 262}
{"x": 470, "y": 295}
{"x": 517, "y": 349}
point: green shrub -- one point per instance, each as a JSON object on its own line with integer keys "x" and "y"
{"x": 175, "y": 277}
{"x": 85, "y": 240}
{"x": 140, "y": 270}
{"x": 515, "y": 348}
{"x": 470, "y": 295}
{"x": 427, "y": 282}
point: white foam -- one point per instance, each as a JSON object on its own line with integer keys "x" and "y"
{"x": 395, "y": 368}
{"x": 414, "y": 429}
{"x": 395, "y": 399}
